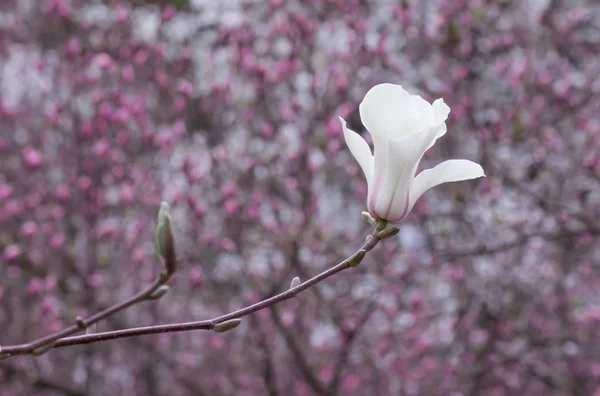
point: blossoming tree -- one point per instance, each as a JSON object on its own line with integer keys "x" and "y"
{"x": 230, "y": 113}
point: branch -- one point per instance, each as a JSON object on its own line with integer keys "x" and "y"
{"x": 165, "y": 246}
{"x": 61, "y": 339}
{"x": 50, "y": 341}
{"x": 350, "y": 336}
{"x": 268, "y": 371}
{"x": 299, "y": 357}
{"x": 521, "y": 240}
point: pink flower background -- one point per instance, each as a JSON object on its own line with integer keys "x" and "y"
{"x": 229, "y": 111}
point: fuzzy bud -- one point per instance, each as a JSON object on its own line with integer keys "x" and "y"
{"x": 295, "y": 282}
{"x": 165, "y": 242}
{"x": 159, "y": 292}
{"x": 226, "y": 326}
{"x": 80, "y": 322}
{"x": 367, "y": 218}
{"x": 388, "y": 232}
{"x": 39, "y": 351}
{"x": 357, "y": 258}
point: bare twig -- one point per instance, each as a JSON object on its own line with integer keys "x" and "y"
{"x": 300, "y": 359}
{"x": 45, "y": 343}
{"x": 62, "y": 339}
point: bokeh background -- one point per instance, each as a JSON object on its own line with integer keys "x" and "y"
{"x": 228, "y": 110}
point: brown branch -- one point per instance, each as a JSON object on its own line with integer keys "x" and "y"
{"x": 300, "y": 359}
{"x": 165, "y": 245}
{"x": 350, "y": 336}
{"x": 61, "y": 339}
{"x": 50, "y": 340}
{"x": 521, "y": 240}
{"x": 268, "y": 370}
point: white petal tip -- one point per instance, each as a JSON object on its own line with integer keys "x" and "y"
{"x": 482, "y": 173}
{"x": 344, "y": 124}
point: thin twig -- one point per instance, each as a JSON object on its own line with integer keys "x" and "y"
{"x": 61, "y": 339}
{"x": 81, "y": 324}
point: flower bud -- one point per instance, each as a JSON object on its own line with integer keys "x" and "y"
{"x": 388, "y": 232}
{"x": 165, "y": 242}
{"x": 295, "y": 282}
{"x": 226, "y": 326}
{"x": 367, "y": 218}
{"x": 80, "y": 322}
{"x": 159, "y": 292}
{"x": 357, "y": 258}
{"x": 39, "y": 351}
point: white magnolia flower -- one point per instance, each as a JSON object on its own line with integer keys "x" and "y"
{"x": 403, "y": 128}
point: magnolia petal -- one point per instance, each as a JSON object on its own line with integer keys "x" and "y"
{"x": 440, "y": 131}
{"x": 359, "y": 149}
{"x": 447, "y": 171}
{"x": 390, "y": 198}
{"x": 440, "y": 111}
{"x": 384, "y": 110}
{"x": 423, "y": 114}
{"x": 419, "y": 115}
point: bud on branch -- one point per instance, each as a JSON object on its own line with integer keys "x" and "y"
{"x": 388, "y": 232}
{"x": 226, "y": 326}
{"x": 295, "y": 282}
{"x": 158, "y": 293}
{"x": 357, "y": 258}
{"x": 165, "y": 242}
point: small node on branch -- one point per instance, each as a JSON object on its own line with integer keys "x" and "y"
{"x": 388, "y": 232}
{"x": 164, "y": 276}
{"x": 39, "y": 351}
{"x": 226, "y": 326}
{"x": 357, "y": 258}
{"x": 165, "y": 242}
{"x": 159, "y": 292}
{"x": 80, "y": 323}
{"x": 367, "y": 218}
{"x": 295, "y": 282}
